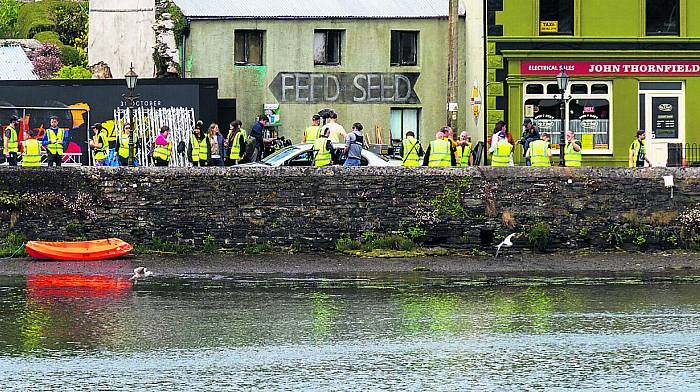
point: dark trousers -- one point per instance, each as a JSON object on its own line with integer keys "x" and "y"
{"x": 199, "y": 163}
{"x": 216, "y": 162}
{"x": 123, "y": 161}
{"x": 161, "y": 163}
{"x": 12, "y": 159}
{"x": 54, "y": 159}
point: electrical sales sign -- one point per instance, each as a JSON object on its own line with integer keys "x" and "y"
{"x": 612, "y": 68}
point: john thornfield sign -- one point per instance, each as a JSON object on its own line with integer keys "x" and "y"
{"x": 345, "y": 87}
{"x": 612, "y": 68}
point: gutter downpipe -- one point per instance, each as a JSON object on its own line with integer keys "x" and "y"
{"x": 486, "y": 81}
{"x": 185, "y": 34}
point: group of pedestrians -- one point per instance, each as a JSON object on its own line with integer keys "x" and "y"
{"x": 55, "y": 141}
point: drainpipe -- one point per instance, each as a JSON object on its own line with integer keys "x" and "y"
{"x": 486, "y": 80}
{"x": 183, "y": 63}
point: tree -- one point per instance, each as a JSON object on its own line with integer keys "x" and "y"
{"x": 73, "y": 72}
{"x": 9, "y": 9}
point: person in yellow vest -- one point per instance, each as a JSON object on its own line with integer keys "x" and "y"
{"x": 311, "y": 133}
{"x": 411, "y": 150}
{"x": 638, "y": 151}
{"x": 572, "y": 151}
{"x": 12, "y": 141}
{"x": 236, "y": 142}
{"x": 99, "y": 144}
{"x": 439, "y": 153}
{"x": 31, "y": 151}
{"x": 540, "y": 153}
{"x": 500, "y": 156}
{"x": 463, "y": 152}
{"x": 199, "y": 146}
{"x": 54, "y": 140}
{"x": 164, "y": 146}
{"x": 324, "y": 153}
{"x": 123, "y": 145}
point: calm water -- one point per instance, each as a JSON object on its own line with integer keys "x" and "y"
{"x": 253, "y": 333}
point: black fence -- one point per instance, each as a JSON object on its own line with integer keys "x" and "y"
{"x": 683, "y": 155}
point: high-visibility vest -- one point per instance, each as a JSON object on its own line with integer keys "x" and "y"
{"x": 311, "y": 133}
{"x": 31, "y": 156}
{"x": 463, "y": 153}
{"x": 639, "y": 152}
{"x": 236, "y": 147}
{"x": 163, "y": 152}
{"x": 101, "y": 152}
{"x": 440, "y": 153}
{"x": 124, "y": 145}
{"x": 323, "y": 154}
{"x": 411, "y": 147}
{"x": 55, "y": 137}
{"x": 199, "y": 148}
{"x": 13, "y": 141}
{"x": 501, "y": 155}
{"x": 572, "y": 157}
{"x": 539, "y": 154}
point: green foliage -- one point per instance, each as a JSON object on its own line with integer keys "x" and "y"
{"x": 371, "y": 241}
{"x": 672, "y": 240}
{"x": 449, "y": 203}
{"x": 13, "y": 200}
{"x": 539, "y": 235}
{"x": 36, "y": 17}
{"x": 73, "y": 72}
{"x": 9, "y": 11}
{"x": 640, "y": 240}
{"x": 209, "y": 244}
{"x": 11, "y": 244}
{"x": 48, "y": 37}
{"x": 178, "y": 20}
{"x": 615, "y": 236}
{"x": 70, "y": 56}
{"x": 583, "y": 233}
{"x": 256, "y": 249}
{"x": 72, "y": 23}
{"x": 162, "y": 246}
{"x": 346, "y": 243}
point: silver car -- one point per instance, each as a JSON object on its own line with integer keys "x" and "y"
{"x": 303, "y": 155}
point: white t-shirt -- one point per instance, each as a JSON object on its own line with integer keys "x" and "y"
{"x": 337, "y": 134}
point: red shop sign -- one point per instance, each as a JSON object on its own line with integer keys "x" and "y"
{"x": 658, "y": 68}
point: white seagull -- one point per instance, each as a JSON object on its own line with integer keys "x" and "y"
{"x": 506, "y": 243}
{"x": 140, "y": 273}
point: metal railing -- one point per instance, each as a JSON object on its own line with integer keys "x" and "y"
{"x": 683, "y": 155}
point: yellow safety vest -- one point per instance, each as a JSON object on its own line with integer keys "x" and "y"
{"x": 323, "y": 154}
{"x": 55, "y": 145}
{"x": 311, "y": 133}
{"x": 440, "y": 153}
{"x": 101, "y": 152}
{"x": 572, "y": 157}
{"x": 124, "y": 146}
{"x": 639, "y": 150}
{"x": 411, "y": 147}
{"x": 501, "y": 155}
{"x": 163, "y": 152}
{"x": 31, "y": 157}
{"x": 199, "y": 149}
{"x": 12, "y": 142}
{"x": 463, "y": 153}
{"x": 539, "y": 154}
{"x": 236, "y": 147}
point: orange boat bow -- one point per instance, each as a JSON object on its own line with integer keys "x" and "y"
{"x": 80, "y": 250}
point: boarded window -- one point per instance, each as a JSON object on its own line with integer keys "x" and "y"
{"x": 327, "y": 47}
{"x": 404, "y": 48}
{"x": 556, "y": 17}
{"x": 663, "y": 17}
{"x": 248, "y": 47}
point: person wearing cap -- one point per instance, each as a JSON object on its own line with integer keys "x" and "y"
{"x": 99, "y": 144}
{"x": 54, "y": 139}
{"x": 501, "y": 151}
{"x": 411, "y": 150}
{"x": 311, "y": 132}
{"x": 530, "y": 134}
{"x": 12, "y": 141}
{"x": 31, "y": 150}
{"x": 440, "y": 152}
{"x": 539, "y": 153}
{"x": 637, "y": 151}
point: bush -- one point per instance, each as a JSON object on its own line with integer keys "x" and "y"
{"x": 179, "y": 22}
{"x": 73, "y": 72}
{"x": 539, "y": 236}
{"x": 371, "y": 241}
{"x": 9, "y": 11}
{"x": 36, "y": 17}
{"x": 48, "y": 37}
{"x": 72, "y": 23}
{"x": 11, "y": 244}
{"x": 46, "y": 61}
{"x": 70, "y": 56}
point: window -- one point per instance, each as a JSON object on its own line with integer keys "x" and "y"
{"x": 556, "y": 17}
{"x": 248, "y": 47}
{"x": 663, "y": 17}
{"x": 404, "y": 48}
{"x": 402, "y": 121}
{"x": 588, "y": 114}
{"x": 327, "y": 47}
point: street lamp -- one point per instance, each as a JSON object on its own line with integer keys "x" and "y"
{"x": 562, "y": 83}
{"x": 131, "y": 98}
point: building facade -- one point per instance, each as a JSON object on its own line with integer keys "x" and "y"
{"x": 634, "y": 65}
{"x": 381, "y": 64}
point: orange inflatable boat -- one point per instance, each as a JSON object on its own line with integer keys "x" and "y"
{"x": 81, "y": 250}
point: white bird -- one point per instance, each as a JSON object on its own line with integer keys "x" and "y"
{"x": 506, "y": 243}
{"x": 140, "y": 273}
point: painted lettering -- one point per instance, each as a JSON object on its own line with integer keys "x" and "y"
{"x": 312, "y": 86}
{"x": 408, "y": 88}
{"x": 331, "y": 79}
{"x": 359, "y": 88}
{"x": 300, "y": 87}
{"x": 286, "y": 86}
{"x": 387, "y": 85}
{"x": 373, "y": 87}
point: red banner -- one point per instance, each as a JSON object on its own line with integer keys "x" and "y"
{"x": 605, "y": 68}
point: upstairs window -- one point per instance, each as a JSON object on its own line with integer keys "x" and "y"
{"x": 248, "y": 47}
{"x": 556, "y": 17}
{"x": 404, "y": 48}
{"x": 663, "y": 17}
{"x": 327, "y": 47}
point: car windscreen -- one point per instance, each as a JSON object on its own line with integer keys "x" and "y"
{"x": 281, "y": 156}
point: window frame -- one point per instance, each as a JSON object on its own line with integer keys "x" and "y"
{"x": 647, "y": 33}
{"x": 540, "y": 20}
{"x": 245, "y": 35}
{"x": 326, "y": 32}
{"x": 415, "y": 37}
{"x": 419, "y": 114}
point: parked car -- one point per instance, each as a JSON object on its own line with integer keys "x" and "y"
{"x": 302, "y": 155}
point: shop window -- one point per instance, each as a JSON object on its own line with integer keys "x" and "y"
{"x": 590, "y": 121}
{"x": 402, "y": 121}
{"x": 327, "y": 47}
{"x": 404, "y": 48}
{"x": 663, "y": 17}
{"x": 599, "y": 89}
{"x": 579, "y": 89}
{"x": 556, "y": 17}
{"x": 534, "y": 89}
{"x": 553, "y": 89}
{"x": 248, "y": 47}
{"x": 546, "y": 115}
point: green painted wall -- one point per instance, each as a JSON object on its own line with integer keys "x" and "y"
{"x": 288, "y": 47}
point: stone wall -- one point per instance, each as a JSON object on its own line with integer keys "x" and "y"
{"x": 464, "y": 208}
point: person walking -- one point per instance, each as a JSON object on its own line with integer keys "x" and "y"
{"x": 439, "y": 153}
{"x": 236, "y": 141}
{"x": 572, "y": 151}
{"x": 501, "y": 151}
{"x": 336, "y": 131}
{"x": 99, "y": 144}
{"x": 199, "y": 146}
{"x": 31, "y": 150}
{"x": 353, "y": 147}
{"x": 54, "y": 140}
{"x": 163, "y": 147}
{"x": 411, "y": 150}
{"x": 540, "y": 153}
{"x": 11, "y": 143}
{"x": 216, "y": 143}
{"x": 323, "y": 150}
{"x": 463, "y": 152}
{"x": 257, "y": 132}
{"x": 638, "y": 151}
{"x": 311, "y": 132}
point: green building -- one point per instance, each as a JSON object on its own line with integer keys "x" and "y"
{"x": 634, "y": 65}
{"x": 383, "y": 64}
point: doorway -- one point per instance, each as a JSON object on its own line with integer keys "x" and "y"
{"x": 662, "y": 117}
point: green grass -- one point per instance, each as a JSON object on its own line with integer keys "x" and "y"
{"x": 11, "y": 243}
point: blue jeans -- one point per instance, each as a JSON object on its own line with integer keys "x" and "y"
{"x": 352, "y": 162}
